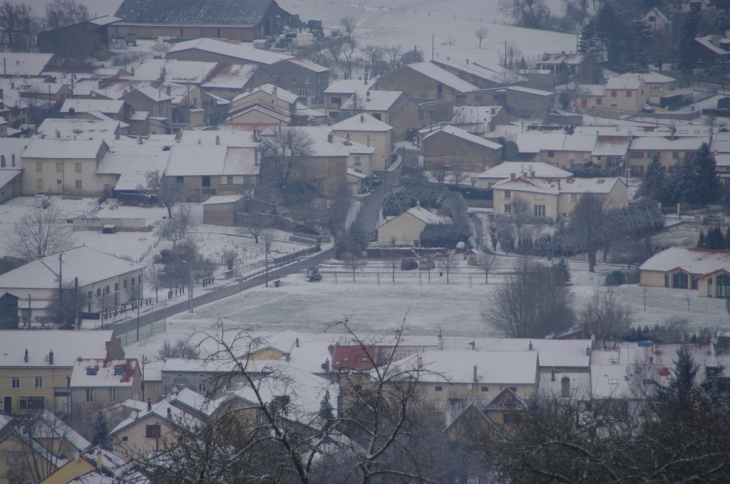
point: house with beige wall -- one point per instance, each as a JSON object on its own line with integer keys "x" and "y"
{"x": 37, "y": 365}
{"x": 98, "y": 383}
{"x": 426, "y": 81}
{"x": 368, "y": 131}
{"x": 394, "y": 108}
{"x": 62, "y": 167}
{"x": 338, "y": 93}
{"x": 504, "y": 170}
{"x": 407, "y": 227}
{"x": 106, "y": 280}
{"x": 628, "y": 94}
{"x": 559, "y": 198}
{"x": 670, "y": 152}
{"x": 706, "y": 270}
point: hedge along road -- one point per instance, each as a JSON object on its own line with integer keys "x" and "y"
{"x": 123, "y": 327}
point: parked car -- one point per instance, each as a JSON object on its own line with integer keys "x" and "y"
{"x": 714, "y": 218}
{"x": 375, "y": 180}
{"x": 426, "y": 264}
{"x": 408, "y": 264}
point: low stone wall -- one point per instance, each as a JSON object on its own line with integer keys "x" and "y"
{"x": 122, "y": 224}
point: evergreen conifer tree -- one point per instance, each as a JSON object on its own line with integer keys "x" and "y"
{"x": 100, "y": 430}
{"x": 686, "y": 53}
{"x": 701, "y": 243}
{"x": 563, "y": 269}
{"x": 706, "y": 180}
{"x": 653, "y": 180}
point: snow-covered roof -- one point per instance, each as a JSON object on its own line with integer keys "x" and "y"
{"x": 474, "y": 119}
{"x": 63, "y": 149}
{"x": 186, "y": 160}
{"x": 579, "y": 386}
{"x": 78, "y": 129}
{"x": 611, "y": 146}
{"x": 100, "y": 372}
{"x": 8, "y": 174}
{"x": 629, "y": 83}
{"x": 356, "y": 174}
{"x": 650, "y": 77}
{"x": 232, "y": 76}
{"x": 244, "y": 51}
{"x": 307, "y": 64}
{"x": 706, "y": 42}
{"x": 528, "y": 90}
{"x": 105, "y": 106}
{"x": 178, "y": 71}
{"x": 556, "y": 59}
{"x": 282, "y": 94}
{"x": 425, "y": 216}
{"x": 348, "y": 86}
{"x": 23, "y": 63}
{"x": 667, "y": 144}
{"x": 579, "y": 142}
{"x": 658, "y": 13}
{"x": 523, "y": 184}
{"x": 594, "y": 90}
{"x": 492, "y": 367}
{"x": 540, "y": 169}
{"x": 222, "y": 199}
{"x": 590, "y": 185}
{"x": 131, "y": 160}
{"x": 443, "y": 76}
{"x": 361, "y": 122}
{"x": 372, "y": 100}
{"x": 160, "y": 411}
{"x": 188, "y": 399}
{"x": 13, "y": 146}
{"x": 48, "y": 426}
{"x": 693, "y": 261}
{"x": 155, "y": 94}
{"x": 483, "y": 69}
{"x": 535, "y": 142}
{"x": 264, "y": 107}
{"x": 89, "y": 265}
{"x": 465, "y": 135}
{"x": 67, "y": 346}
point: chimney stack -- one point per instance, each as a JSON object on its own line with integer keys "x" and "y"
{"x": 296, "y": 342}
{"x": 287, "y": 357}
{"x": 588, "y": 351}
{"x": 326, "y": 365}
{"x": 511, "y": 176}
{"x": 440, "y": 343}
{"x": 362, "y": 118}
{"x": 330, "y": 138}
{"x": 476, "y": 380}
{"x": 217, "y": 140}
{"x": 419, "y": 360}
{"x": 50, "y": 357}
{"x": 169, "y": 413}
{"x": 552, "y": 374}
{"x": 26, "y": 356}
{"x": 98, "y": 459}
{"x": 367, "y": 96}
{"x": 275, "y": 95}
{"x": 530, "y": 346}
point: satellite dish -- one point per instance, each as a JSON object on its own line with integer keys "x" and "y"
{"x": 469, "y": 386}
{"x": 135, "y": 397}
{"x": 341, "y": 339}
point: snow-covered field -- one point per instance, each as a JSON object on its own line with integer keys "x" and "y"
{"x": 410, "y": 23}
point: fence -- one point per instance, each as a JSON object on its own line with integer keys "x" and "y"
{"x": 131, "y": 306}
{"x": 145, "y": 332}
{"x": 175, "y": 291}
{"x": 208, "y": 281}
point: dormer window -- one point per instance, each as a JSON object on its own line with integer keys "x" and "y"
{"x": 345, "y": 359}
{"x": 92, "y": 370}
{"x": 118, "y": 370}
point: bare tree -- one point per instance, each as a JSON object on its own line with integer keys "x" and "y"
{"x": 348, "y": 25}
{"x": 41, "y": 231}
{"x": 588, "y": 227}
{"x": 526, "y": 13}
{"x": 185, "y": 220}
{"x": 604, "y": 316}
{"x": 488, "y": 262}
{"x": 533, "y": 303}
{"x": 255, "y": 223}
{"x": 353, "y": 261}
{"x": 459, "y": 177}
{"x": 19, "y": 27}
{"x": 393, "y": 256}
{"x": 440, "y": 172}
{"x": 394, "y": 53}
{"x": 687, "y": 297}
{"x": 168, "y": 229}
{"x": 286, "y": 152}
{"x": 521, "y": 214}
{"x": 168, "y": 192}
{"x": 60, "y": 13}
{"x": 154, "y": 279}
{"x": 66, "y": 305}
{"x": 374, "y": 54}
{"x": 481, "y": 34}
{"x": 448, "y": 262}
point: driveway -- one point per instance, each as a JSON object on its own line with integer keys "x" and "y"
{"x": 372, "y": 203}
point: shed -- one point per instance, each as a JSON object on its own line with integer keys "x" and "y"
{"x": 9, "y": 311}
{"x": 408, "y": 225}
{"x": 221, "y": 210}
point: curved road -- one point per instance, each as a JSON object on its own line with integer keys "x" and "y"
{"x": 368, "y": 218}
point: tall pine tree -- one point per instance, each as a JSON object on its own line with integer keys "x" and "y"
{"x": 653, "y": 180}
{"x": 100, "y": 431}
{"x": 706, "y": 180}
{"x": 686, "y": 54}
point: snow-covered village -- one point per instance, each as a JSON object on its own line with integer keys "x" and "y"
{"x": 322, "y": 242}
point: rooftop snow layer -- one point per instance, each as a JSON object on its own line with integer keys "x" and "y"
{"x": 100, "y": 372}
{"x": 443, "y": 76}
{"x": 244, "y": 51}
{"x": 694, "y": 261}
{"x": 67, "y": 346}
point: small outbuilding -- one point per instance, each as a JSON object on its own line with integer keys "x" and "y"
{"x": 221, "y": 210}
{"x": 706, "y": 270}
{"x": 407, "y": 227}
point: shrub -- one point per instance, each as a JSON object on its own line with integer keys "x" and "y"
{"x": 181, "y": 349}
{"x": 614, "y": 278}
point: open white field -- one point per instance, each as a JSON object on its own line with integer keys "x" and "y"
{"x": 452, "y": 309}
{"x": 452, "y": 22}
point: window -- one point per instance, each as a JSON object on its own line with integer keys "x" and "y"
{"x": 723, "y": 285}
{"x": 330, "y": 172}
{"x": 116, "y": 287}
{"x": 59, "y": 167}
{"x": 599, "y": 101}
{"x": 39, "y": 183}
{"x": 92, "y": 370}
{"x": 485, "y": 389}
{"x": 293, "y": 79}
{"x": 539, "y": 210}
{"x": 206, "y": 181}
{"x": 39, "y": 382}
{"x": 89, "y": 395}
{"x": 336, "y": 100}
{"x": 509, "y": 418}
{"x": 205, "y": 104}
{"x": 614, "y": 93}
{"x": 439, "y": 389}
{"x": 514, "y": 389}
{"x": 345, "y": 359}
{"x": 118, "y": 370}
{"x": 306, "y": 80}
{"x": 39, "y": 167}
{"x": 33, "y": 403}
{"x": 533, "y": 102}
{"x": 573, "y": 197}
{"x": 13, "y": 161}
{"x": 59, "y": 182}
{"x": 675, "y": 155}
{"x": 330, "y": 188}
{"x": 709, "y": 287}
{"x": 551, "y": 154}
{"x": 650, "y": 19}
{"x": 680, "y": 280}
{"x": 16, "y": 382}
{"x": 229, "y": 180}
{"x": 2, "y": 161}
{"x": 98, "y": 292}
{"x": 636, "y": 154}
{"x": 364, "y": 359}
{"x": 78, "y": 167}
{"x": 357, "y": 161}
{"x": 153, "y": 431}
{"x": 666, "y": 280}
{"x": 507, "y": 194}
{"x": 124, "y": 284}
{"x": 201, "y": 387}
{"x": 132, "y": 279}
{"x": 377, "y": 116}
{"x": 78, "y": 184}
{"x": 628, "y": 93}
{"x": 303, "y": 92}
{"x": 125, "y": 438}
{"x": 507, "y": 208}
{"x": 479, "y": 97}
{"x": 106, "y": 290}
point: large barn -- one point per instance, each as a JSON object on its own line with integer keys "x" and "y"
{"x": 244, "y": 20}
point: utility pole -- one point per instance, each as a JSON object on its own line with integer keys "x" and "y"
{"x": 433, "y": 44}
{"x": 139, "y": 303}
{"x": 60, "y": 284}
{"x": 77, "y": 315}
{"x": 505, "y": 54}
{"x": 267, "y": 244}
{"x": 190, "y": 291}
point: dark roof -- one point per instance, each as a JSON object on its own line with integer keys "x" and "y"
{"x": 194, "y": 12}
